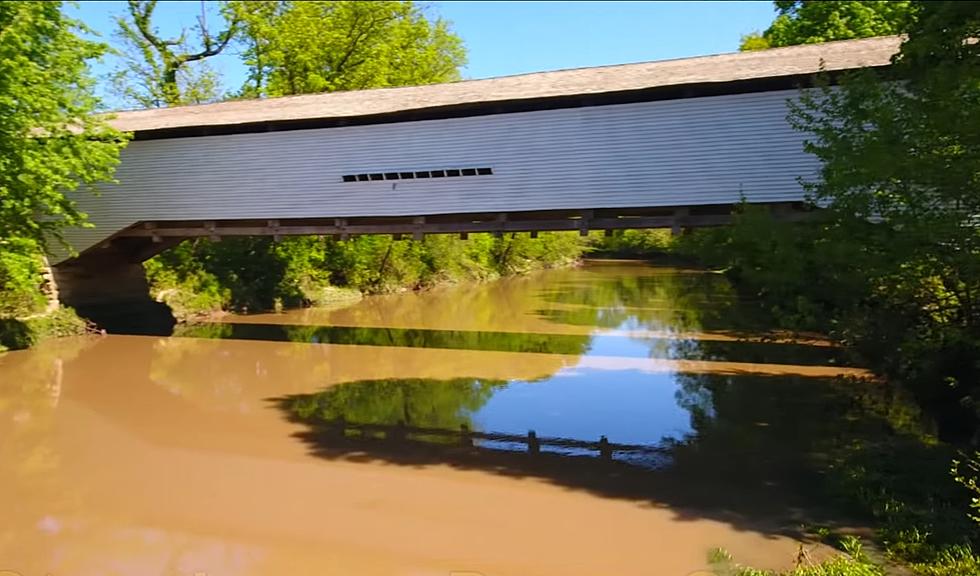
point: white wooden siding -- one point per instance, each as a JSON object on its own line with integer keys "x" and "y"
{"x": 693, "y": 151}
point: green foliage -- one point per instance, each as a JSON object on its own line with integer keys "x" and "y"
{"x": 753, "y": 41}
{"x": 967, "y": 473}
{"x": 323, "y": 46}
{"x": 21, "y": 266}
{"x": 16, "y": 334}
{"x": 423, "y": 403}
{"x": 159, "y": 71}
{"x": 811, "y": 22}
{"x": 50, "y": 144}
{"x": 632, "y": 243}
{"x": 891, "y": 263}
{"x": 837, "y": 566}
{"x": 50, "y": 141}
{"x": 180, "y": 280}
{"x": 518, "y": 253}
{"x": 201, "y": 277}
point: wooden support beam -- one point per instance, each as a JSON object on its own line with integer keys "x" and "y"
{"x": 340, "y": 224}
{"x": 585, "y": 221}
{"x": 464, "y": 224}
{"x": 501, "y": 219}
{"x": 211, "y": 228}
{"x": 680, "y": 220}
{"x": 432, "y": 227}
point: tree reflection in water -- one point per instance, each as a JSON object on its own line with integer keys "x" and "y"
{"x": 446, "y": 404}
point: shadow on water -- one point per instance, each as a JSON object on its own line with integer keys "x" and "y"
{"x": 756, "y": 456}
{"x": 629, "y": 346}
{"x": 571, "y": 344}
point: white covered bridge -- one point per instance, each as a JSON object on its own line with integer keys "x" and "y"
{"x": 658, "y": 144}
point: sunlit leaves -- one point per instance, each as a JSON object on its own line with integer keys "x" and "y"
{"x": 324, "y": 46}
{"x": 810, "y": 22}
{"x": 50, "y": 142}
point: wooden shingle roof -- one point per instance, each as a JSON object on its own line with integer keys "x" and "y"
{"x": 722, "y": 68}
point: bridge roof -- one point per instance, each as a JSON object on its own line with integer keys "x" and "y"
{"x": 793, "y": 61}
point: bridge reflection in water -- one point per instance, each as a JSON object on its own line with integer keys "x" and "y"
{"x": 401, "y": 425}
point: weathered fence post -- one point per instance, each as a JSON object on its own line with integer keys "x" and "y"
{"x": 533, "y": 444}
{"x": 605, "y": 452}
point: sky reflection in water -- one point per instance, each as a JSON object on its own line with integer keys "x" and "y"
{"x": 627, "y": 309}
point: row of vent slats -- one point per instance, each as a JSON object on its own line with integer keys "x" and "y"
{"x": 448, "y": 173}
{"x": 682, "y": 152}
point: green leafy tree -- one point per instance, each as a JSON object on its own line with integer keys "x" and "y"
{"x": 158, "y": 71}
{"x": 811, "y": 22}
{"x": 309, "y": 47}
{"x": 892, "y": 265}
{"x": 50, "y": 141}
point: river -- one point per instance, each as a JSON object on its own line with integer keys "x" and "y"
{"x": 391, "y": 436}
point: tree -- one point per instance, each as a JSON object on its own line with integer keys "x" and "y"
{"x": 160, "y": 71}
{"x": 50, "y": 141}
{"x": 892, "y": 264}
{"x": 811, "y": 22}
{"x": 324, "y": 46}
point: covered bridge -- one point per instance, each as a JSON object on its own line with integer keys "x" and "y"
{"x": 655, "y": 144}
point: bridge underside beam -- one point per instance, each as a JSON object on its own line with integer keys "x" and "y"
{"x": 417, "y": 226}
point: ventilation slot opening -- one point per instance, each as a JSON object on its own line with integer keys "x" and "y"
{"x": 446, "y": 173}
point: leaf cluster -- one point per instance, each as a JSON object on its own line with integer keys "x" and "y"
{"x": 325, "y": 46}
{"x": 811, "y": 22}
{"x": 50, "y": 140}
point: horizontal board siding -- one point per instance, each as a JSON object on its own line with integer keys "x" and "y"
{"x": 691, "y": 151}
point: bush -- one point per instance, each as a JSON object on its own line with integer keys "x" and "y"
{"x": 16, "y": 334}
{"x": 632, "y": 243}
{"x": 202, "y": 277}
{"x": 21, "y": 266}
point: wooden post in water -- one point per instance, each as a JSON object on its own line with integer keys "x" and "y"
{"x": 465, "y": 439}
{"x": 397, "y": 433}
{"x": 605, "y": 452}
{"x": 340, "y": 427}
{"x": 533, "y": 444}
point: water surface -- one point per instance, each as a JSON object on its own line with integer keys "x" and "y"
{"x": 391, "y": 437}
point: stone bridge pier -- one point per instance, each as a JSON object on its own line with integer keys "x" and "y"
{"x": 107, "y": 285}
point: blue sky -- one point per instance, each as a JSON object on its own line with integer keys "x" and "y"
{"x": 505, "y": 38}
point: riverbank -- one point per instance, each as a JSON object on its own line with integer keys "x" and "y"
{"x": 200, "y": 279}
{"x": 900, "y": 480}
{"x": 29, "y": 309}
{"x": 19, "y": 333}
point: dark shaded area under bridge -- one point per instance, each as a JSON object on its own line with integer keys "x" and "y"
{"x": 107, "y": 284}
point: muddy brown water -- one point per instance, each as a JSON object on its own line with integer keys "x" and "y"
{"x": 334, "y": 441}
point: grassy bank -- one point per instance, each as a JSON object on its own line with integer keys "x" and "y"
{"x": 26, "y": 315}
{"x": 17, "y": 333}
{"x": 200, "y": 277}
